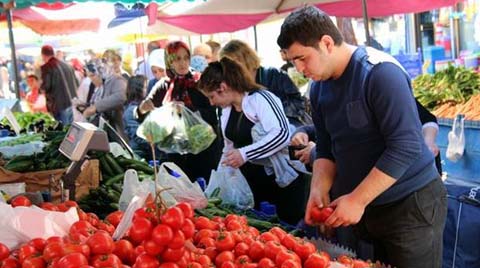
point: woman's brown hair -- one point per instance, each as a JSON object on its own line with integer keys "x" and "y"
{"x": 234, "y": 74}
{"x": 242, "y": 52}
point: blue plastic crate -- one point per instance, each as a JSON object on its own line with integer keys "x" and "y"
{"x": 411, "y": 62}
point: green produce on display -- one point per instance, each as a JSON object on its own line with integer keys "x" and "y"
{"x": 28, "y": 120}
{"x": 451, "y": 85}
{"x": 50, "y": 157}
{"x": 104, "y": 199}
{"x": 22, "y": 139}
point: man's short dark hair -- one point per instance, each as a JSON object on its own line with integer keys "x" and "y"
{"x": 47, "y": 50}
{"x": 307, "y": 25}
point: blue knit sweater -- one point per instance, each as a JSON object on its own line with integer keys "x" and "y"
{"x": 368, "y": 118}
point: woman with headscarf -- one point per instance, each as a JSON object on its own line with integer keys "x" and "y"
{"x": 182, "y": 82}
{"x": 110, "y": 94}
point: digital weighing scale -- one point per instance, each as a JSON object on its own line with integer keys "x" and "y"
{"x": 81, "y": 138}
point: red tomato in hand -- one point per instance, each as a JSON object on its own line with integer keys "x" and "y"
{"x": 320, "y": 215}
{"x": 20, "y": 200}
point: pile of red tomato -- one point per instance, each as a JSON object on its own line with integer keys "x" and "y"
{"x": 175, "y": 239}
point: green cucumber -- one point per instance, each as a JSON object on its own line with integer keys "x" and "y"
{"x": 147, "y": 169}
{"x": 105, "y": 167}
{"x": 19, "y": 166}
{"x": 114, "y": 179}
{"x": 116, "y": 168}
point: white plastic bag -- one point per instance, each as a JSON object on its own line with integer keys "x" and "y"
{"x": 234, "y": 188}
{"x": 21, "y": 224}
{"x": 456, "y": 139}
{"x": 12, "y": 189}
{"x": 177, "y": 183}
{"x": 137, "y": 202}
{"x": 132, "y": 186}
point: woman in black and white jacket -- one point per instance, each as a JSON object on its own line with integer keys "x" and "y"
{"x": 244, "y": 104}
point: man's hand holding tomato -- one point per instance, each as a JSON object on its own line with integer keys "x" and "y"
{"x": 348, "y": 211}
{"x": 317, "y": 199}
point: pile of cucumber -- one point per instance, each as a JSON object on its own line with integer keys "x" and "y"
{"x": 50, "y": 158}
{"x": 104, "y": 199}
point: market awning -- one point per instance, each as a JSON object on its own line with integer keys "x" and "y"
{"x": 28, "y": 3}
{"x": 383, "y": 8}
{"x": 215, "y": 16}
{"x": 70, "y": 19}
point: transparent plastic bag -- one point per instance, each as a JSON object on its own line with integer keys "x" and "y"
{"x": 177, "y": 183}
{"x": 132, "y": 186}
{"x": 456, "y": 139}
{"x": 234, "y": 188}
{"x": 176, "y": 129}
{"x": 136, "y": 202}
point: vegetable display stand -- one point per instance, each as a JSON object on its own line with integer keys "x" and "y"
{"x": 467, "y": 168}
{"x": 40, "y": 180}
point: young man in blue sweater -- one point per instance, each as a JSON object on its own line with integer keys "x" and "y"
{"x": 372, "y": 161}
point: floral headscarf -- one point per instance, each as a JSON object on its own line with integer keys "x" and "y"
{"x": 180, "y": 84}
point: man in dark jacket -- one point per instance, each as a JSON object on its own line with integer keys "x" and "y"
{"x": 59, "y": 84}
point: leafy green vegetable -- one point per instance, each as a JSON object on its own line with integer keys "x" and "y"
{"x": 200, "y": 136}
{"x": 153, "y": 132}
{"x": 451, "y": 85}
{"x": 27, "y": 119}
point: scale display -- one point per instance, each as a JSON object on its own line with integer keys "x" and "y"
{"x": 81, "y": 138}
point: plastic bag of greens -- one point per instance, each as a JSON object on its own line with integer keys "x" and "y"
{"x": 176, "y": 129}
{"x": 234, "y": 188}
